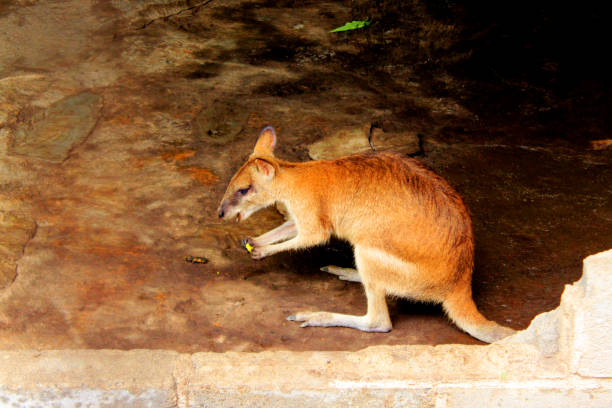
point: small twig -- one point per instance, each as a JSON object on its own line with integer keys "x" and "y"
{"x": 421, "y": 151}
{"x": 197, "y": 6}
{"x": 373, "y": 125}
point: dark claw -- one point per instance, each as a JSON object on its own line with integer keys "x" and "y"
{"x": 244, "y": 242}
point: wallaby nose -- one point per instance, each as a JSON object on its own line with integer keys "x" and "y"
{"x": 221, "y": 213}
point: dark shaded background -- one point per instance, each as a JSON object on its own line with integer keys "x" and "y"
{"x": 541, "y": 64}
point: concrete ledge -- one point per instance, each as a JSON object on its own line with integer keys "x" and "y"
{"x": 563, "y": 359}
{"x": 139, "y": 378}
{"x": 419, "y": 376}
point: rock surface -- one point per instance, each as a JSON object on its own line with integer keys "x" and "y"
{"x": 349, "y": 141}
{"x": 220, "y": 122}
{"x": 52, "y": 133}
{"x": 109, "y": 177}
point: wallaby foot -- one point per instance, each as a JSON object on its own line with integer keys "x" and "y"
{"x": 326, "y": 319}
{"x": 375, "y": 320}
{"x": 346, "y": 274}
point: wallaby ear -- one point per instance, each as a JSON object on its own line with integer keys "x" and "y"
{"x": 266, "y": 142}
{"x": 265, "y": 168}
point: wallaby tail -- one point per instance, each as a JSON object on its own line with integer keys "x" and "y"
{"x": 462, "y": 310}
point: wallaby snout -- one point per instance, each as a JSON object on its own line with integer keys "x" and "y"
{"x": 229, "y": 211}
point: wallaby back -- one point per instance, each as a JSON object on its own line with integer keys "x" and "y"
{"x": 411, "y": 231}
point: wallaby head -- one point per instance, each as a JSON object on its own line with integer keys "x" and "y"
{"x": 252, "y": 187}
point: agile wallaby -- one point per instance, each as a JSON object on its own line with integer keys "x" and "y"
{"x": 411, "y": 232}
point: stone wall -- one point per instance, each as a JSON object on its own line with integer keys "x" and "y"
{"x": 563, "y": 359}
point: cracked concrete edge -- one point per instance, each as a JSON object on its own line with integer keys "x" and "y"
{"x": 394, "y": 375}
{"x": 30, "y": 238}
{"x": 13, "y": 259}
{"x": 579, "y": 331}
{"x": 182, "y": 375}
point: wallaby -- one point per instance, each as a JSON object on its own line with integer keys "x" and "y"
{"x": 410, "y": 230}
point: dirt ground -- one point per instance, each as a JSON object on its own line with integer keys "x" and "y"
{"x": 121, "y": 124}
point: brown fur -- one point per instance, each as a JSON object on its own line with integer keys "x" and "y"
{"x": 410, "y": 230}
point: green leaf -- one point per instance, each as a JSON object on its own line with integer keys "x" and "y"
{"x": 353, "y": 25}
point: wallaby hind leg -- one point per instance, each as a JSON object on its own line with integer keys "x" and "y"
{"x": 347, "y": 274}
{"x": 375, "y": 320}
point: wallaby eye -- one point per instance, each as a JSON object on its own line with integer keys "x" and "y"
{"x": 245, "y": 190}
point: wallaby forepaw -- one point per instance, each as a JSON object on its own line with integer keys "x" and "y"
{"x": 248, "y": 244}
{"x": 258, "y": 253}
{"x": 251, "y": 247}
